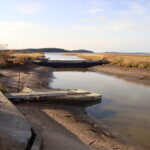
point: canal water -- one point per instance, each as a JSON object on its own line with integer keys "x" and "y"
{"x": 57, "y": 56}
{"x": 125, "y": 106}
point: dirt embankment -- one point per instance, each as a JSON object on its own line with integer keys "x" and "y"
{"x": 14, "y": 79}
{"x": 61, "y": 127}
{"x": 137, "y": 75}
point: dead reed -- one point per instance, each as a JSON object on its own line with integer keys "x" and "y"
{"x": 138, "y": 61}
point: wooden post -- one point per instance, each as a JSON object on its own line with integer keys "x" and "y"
{"x": 19, "y": 82}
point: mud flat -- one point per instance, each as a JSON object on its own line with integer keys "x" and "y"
{"x": 30, "y": 75}
{"x": 58, "y": 123}
{"x": 62, "y": 126}
{"x": 136, "y": 75}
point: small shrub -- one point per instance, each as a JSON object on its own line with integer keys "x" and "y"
{"x": 4, "y": 56}
{"x": 3, "y": 89}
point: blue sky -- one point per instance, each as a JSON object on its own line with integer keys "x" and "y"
{"x": 99, "y": 25}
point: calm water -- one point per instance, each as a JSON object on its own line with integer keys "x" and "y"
{"x": 125, "y": 106}
{"x": 57, "y": 56}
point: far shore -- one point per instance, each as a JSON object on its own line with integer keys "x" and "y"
{"x": 134, "y": 68}
{"x": 136, "y": 75}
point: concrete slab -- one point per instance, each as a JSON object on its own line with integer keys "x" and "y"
{"x": 56, "y": 96}
{"x": 15, "y": 131}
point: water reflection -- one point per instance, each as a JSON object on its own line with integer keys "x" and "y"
{"x": 125, "y": 106}
{"x": 72, "y": 69}
{"x": 60, "y": 56}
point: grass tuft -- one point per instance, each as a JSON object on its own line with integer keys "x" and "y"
{"x": 4, "y": 56}
{"x": 3, "y": 89}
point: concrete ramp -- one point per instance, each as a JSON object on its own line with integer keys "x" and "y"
{"x": 51, "y": 96}
{"x": 17, "y": 134}
{"x": 15, "y": 131}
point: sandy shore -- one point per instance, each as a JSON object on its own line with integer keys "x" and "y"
{"x": 141, "y": 76}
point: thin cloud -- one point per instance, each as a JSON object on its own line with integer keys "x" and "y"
{"x": 134, "y": 8}
{"x": 95, "y": 10}
{"x": 96, "y": 6}
{"x": 79, "y": 5}
{"x": 30, "y": 8}
{"x": 17, "y": 26}
{"x": 24, "y": 34}
{"x": 137, "y": 8}
{"x": 96, "y": 19}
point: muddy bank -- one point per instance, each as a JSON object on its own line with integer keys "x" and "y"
{"x": 141, "y": 76}
{"x": 51, "y": 120}
{"x": 58, "y": 124}
{"x": 14, "y": 79}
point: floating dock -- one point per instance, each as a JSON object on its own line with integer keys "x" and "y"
{"x": 70, "y": 63}
{"x": 56, "y": 96}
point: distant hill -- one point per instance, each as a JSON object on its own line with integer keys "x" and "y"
{"x": 52, "y": 50}
{"x": 48, "y": 50}
{"x": 82, "y": 51}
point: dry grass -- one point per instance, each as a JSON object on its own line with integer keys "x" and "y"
{"x": 22, "y": 58}
{"x": 139, "y": 61}
{"x": 28, "y": 55}
{"x": 4, "y": 56}
{"x": 17, "y": 58}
